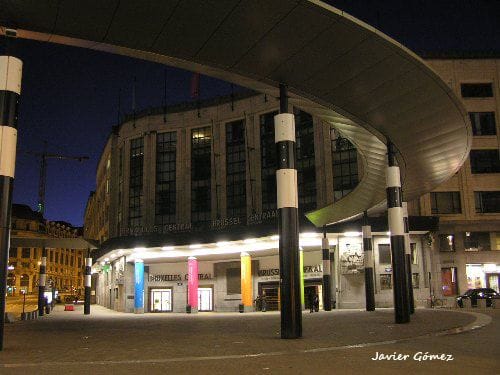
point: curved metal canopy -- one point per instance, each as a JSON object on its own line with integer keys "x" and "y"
{"x": 338, "y": 68}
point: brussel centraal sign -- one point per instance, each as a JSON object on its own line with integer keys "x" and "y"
{"x": 217, "y": 224}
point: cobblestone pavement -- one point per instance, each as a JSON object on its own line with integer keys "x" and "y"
{"x": 341, "y": 341}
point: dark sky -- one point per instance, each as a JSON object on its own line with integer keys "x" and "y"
{"x": 70, "y": 95}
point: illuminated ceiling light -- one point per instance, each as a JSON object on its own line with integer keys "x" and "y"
{"x": 352, "y": 234}
{"x": 309, "y": 235}
{"x": 195, "y": 246}
{"x": 467, "y": 234}
{"x": 250, "y": 240}
{"x": 167, "y": 248}
{"x": 106, "y": 259}
{"x": 275, "y": 237}
{"x": 222, "y": 244}
{"x": 11, "y": 267}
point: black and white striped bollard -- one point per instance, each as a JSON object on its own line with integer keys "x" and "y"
{"x": 396, "y": 228}
{"x": 42, "y": 282}
{"x": 368, "y": 259}
{"x": 87, "y": 284}
{"x": 327, "y": 282}
{"x": 288, "y": 222}
{"x": 10, "y": 91}
{"x": 408, "y": 258}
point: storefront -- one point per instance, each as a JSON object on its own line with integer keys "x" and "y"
{"x": 483, "y": 276}
{"x": 220, "y": 274}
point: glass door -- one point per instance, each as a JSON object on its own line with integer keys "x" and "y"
{"x": 205, "y": 299}
{"x": 161, "y": 300}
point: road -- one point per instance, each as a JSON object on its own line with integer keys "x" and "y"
{"x": 229, "y": 343}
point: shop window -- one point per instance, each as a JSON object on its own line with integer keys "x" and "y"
{"x": 201, "y": 172}
{"x": 135, "y": 181}
{"x": 233, "y": 280}
{"x": 306, "y": 170}
{"x": 487, "y": 201}
{"x": 236, "y": 169}
{"x": 414, "y": 253}
{"x": 165, "y": 203}
{"x": 384, "y": 254}
{"x": 344, "y": 164}
{"x": 446, "y": 242}
{"x": 26, "y": 252}
{"x": 385, "y": 281}
{"x": 268, "y": 161}
{"x": 449, "y": 281}
{"x": 477, "y": 241}
{"x": 13, "y": 252}
{"x": 483, "y": 123}
{"x": 476, "y": 90}
{"x": 484, "y": 161}
{"x": 415, "y": 280}
{"x": 446, "y": 202}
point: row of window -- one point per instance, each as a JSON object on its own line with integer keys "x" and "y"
{"x": 473, "y": 241}
{"x": 61, "y": 258}
{"x": 448, "y": 202}
{"x": 344, "y": 155}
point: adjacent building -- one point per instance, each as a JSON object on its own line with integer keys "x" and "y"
{"x": 64, "y": 266}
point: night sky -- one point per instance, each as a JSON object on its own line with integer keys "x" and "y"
{"x": 70, "y": 95}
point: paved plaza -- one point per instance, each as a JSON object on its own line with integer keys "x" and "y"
{"x": 342, "y": 341}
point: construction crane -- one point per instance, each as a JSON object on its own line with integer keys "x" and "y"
{"x": 43, "y": 172}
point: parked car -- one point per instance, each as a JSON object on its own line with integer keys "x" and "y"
{"x": 480, "y": 293}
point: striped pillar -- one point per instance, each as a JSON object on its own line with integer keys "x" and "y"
{"x": 193, "y": 284}
{"x": 301, "y": 265}
{"x": 87, "y": 284}
{"x": 396, "y": 228}
{"x": 41, "y": 282}
{"x": 327, "y": 289}
{"x": 246, "y": 282}
{"x": 288, "y": 221}
{"x": 139, "y": 287}
{"x": 10, "y": 91}
{"x": 368, "y": 252}
{"x": 408, "y": 258}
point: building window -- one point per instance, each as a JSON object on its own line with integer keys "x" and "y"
{"x": 449, "y": 281}
{"x": 415, "y": 280}
{"x": 447, "y": 202}
{"x": 384, "y": 254}
{"x": 233, "y": 280}
{"x": 446, "y": 242}
{"x": 201, "y": 172}
{"x": 135, "y": 182}
{"x": 26, "y": 253}
{"x": 165, "y": 205}
{"x": 385, "y": 281}
{"x": 306, "y": 171}
{"x": 268, "y": 161}
{"x": 13, "y": 252}
{"x": 483, "y": 123}
{"x": 487, "y": 201}
{"x": 414, "y": 253}
{"x": 25, "y": 280}
{"x": 477, "y": 241}
{"x": 484, "y": 161}
{"x": 236, "y": 169}
{"x": 345, "y": 165}
{"x": 476, "y": 90}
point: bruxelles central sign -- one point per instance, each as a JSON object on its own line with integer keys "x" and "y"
{"x": 218, "y": 224}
